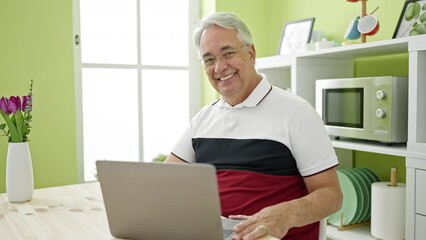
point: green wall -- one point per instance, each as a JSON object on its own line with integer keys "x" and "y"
{"x": 36, "y": 43}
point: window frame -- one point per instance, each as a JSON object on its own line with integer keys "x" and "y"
{"x": 194, "y": 70}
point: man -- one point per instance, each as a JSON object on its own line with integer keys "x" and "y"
{"x": 275, "y": 163}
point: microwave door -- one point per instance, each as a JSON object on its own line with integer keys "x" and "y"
{"x": 344, "y": 107}
{"x": 345, "y": 111}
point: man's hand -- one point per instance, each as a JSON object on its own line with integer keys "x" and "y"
{"x": 265, "y": 222}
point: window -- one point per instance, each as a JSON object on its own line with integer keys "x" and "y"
{"x": 135, "y": 84}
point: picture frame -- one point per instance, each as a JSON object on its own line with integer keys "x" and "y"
{"x": 409, "y": 23}
{"x": 295, "y": 36}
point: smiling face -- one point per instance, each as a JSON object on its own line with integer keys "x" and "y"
{"x": 233, "y": 77}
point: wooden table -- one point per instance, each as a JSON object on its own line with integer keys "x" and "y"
{"x": 67, "y": 212}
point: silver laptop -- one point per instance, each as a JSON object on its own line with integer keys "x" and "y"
{"x": 162, "y": 201}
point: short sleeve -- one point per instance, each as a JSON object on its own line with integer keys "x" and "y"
{"x": 310, "y": 142}
{"x": 183, "y": 149}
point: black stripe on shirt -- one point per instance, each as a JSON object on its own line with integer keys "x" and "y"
{"x": 258, "y": 155}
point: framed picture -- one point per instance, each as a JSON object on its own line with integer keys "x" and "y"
{"x": 296, "y": 35}
{"x": 412, "y": 19}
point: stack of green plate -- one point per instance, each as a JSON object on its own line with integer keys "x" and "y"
{"x": 356, "y": 188}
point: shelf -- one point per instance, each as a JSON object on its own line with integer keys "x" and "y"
{"x": 358, "y": 233}
{"x": 278, "y": 61}
{"x": 369, "y": 146}
{"x": 417, "y": 43}
{"x": 377, "y": 48}
{"x": 369, "y": 49}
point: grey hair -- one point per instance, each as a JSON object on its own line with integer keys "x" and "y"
{"x": 225, "y": 20}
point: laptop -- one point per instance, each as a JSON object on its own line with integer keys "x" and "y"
{"x": 162, "y": 201}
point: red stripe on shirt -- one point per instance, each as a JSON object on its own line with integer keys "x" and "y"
{"x": 246, "y": 192}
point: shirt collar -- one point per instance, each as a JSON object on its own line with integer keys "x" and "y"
{"x": 259, "y": 93}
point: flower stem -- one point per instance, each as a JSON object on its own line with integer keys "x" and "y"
{"x": 5, "y": 133}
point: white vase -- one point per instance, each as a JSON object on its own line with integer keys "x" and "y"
{"x": 19, "y": 173}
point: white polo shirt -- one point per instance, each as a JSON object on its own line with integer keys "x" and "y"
{"x": 273, "y": 132}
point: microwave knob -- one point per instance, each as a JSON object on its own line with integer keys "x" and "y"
{"x": 380, "y": 95}
{"x": 380, "y": 113}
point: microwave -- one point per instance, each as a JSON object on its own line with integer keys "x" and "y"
{"x": 369, "y": 108}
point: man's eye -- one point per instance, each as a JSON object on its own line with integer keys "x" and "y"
{"x": 228, "y": 55}
{"x": 208, "y": 60}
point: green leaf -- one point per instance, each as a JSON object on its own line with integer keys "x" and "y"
{"x": 418, "y": 30}
{"x": 19, "y": 118}
{"x": 14, "y": 135}
{"x": 413, "y": 11}
{"x": 424, "y": 7}
{"x": 2, "y": 126}
{"x": 423, "y": 17}
{"x": 13, "y": 120}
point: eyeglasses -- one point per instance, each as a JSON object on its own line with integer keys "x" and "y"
{"x": 227, "y": 54}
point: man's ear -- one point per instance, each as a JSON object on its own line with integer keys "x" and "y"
{"x": 252, "y": 52}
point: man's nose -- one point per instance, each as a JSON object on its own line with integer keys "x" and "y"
{"x": 220, "y": 64}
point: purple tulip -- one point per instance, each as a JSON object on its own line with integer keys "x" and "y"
{"x": 15, "y": 103}
{"x": 26, "y": 103}
{"x": 4, "y": 105}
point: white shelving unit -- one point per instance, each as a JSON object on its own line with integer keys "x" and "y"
{"x": 359, "y": 233}
{"x": 368, "y": 146}
{"x": 298, "y": 73}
